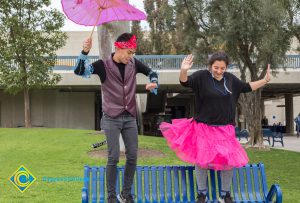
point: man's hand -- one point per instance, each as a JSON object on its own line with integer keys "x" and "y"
{"x": 87, "y": 45}
{"x": 151, "y": 86}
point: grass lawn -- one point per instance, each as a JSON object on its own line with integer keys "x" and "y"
{"x": 63, "y": 153}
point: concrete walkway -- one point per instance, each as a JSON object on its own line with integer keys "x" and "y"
{"x": 291, "y": 143}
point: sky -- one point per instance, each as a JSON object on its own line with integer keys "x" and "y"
{"x": 70, "y": 26}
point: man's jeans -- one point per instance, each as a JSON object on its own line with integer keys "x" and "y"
{"x": 124, "y": 124}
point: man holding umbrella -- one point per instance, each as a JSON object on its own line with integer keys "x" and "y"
{"x": 118, "y": 78}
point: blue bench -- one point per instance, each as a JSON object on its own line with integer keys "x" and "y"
{"x": 275, "y": 134}
{"x": 267, "y": 134}
{"x": 278, "y": 134}
{"x": 177, "y": 184}
{"x": 241, "y": 133}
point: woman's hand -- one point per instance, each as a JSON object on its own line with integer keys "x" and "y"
{"x": 268, "y": 75}
{"x": 260, "y": 83}
{"x": 187, "y": 62}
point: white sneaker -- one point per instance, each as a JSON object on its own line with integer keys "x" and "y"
{"x": 226, "y": 199}
{"x": 221, "y": 200}
{"x": 121, "y": 198}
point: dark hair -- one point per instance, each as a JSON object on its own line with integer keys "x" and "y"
{"x": 218, "y": 56}
{"x": 125, "y": 37}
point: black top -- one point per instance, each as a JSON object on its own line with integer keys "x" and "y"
{"x": 214, "y": 104}
{"x": 99, "y": 68}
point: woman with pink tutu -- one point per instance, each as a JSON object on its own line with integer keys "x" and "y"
{"x": 208, "y": 139}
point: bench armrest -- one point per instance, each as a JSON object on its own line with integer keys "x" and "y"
{"x": 275, "y": 190}
{"x": 85, "y": 197}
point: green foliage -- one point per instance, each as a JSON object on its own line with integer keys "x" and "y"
{"x": 254, "y": 33}
{"x": 293, "y": 12}
{"x": 29, "y": 37}
{"x": 144, "y": 43}
{"x": 161, "y": 21}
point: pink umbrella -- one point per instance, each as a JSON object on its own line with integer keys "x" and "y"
{"x": 97, "y": 12}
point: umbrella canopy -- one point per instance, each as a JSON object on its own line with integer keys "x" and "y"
{"x": 97, "y": 12}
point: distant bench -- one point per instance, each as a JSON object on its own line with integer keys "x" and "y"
{"x": 241, "y": 133}
{"x": 276, "y": 135}
{"x": 171, "y": 184}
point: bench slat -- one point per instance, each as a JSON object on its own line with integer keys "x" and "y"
{"x": 94, "y": 185}
{"x": 176, "y": 184}
{"x": 219, "y": 182}
{"x": 235, "y": 186}
{"x": 169, "y": 184}
{"x": 191, "y": 183}
{"x": 242, "y": 183}
{"x": 183, "y": 184}
{"x": 146, "y": 186}
{"x": 139, "y": 184}
{"x": 102, "y": 184}
{"x": 249, "y": 183}
{"x": 161, "y": 183}
{"x": 264, "y": 181}
{"x": 87, "y": 176}
{"x": 255, "y": 170}
{"x": 153, "y": 183}
{"x": 212, "y": 184}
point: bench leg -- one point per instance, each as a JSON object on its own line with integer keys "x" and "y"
{"x": 275, "y": 191}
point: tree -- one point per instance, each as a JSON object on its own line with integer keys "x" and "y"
{"x": 293, "y": 10}
{"x": 254, "y": 33}
{"x": 161, "y": 21}
{"x": 144, "y": 43}
{"x": 29, "y": 37}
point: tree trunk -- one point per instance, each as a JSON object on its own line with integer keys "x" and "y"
{"x": 27, "y": 108}
{"x": 107, "y": 35}
{"x": 104, "y": 41}
{"x": 251, "y": 108}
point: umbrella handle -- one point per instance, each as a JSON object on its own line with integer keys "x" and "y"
{"x": 91, "y": 35}
{"x": 100, "y": 10}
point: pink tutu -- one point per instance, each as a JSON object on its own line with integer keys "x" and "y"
{"x": 211, "y": 147}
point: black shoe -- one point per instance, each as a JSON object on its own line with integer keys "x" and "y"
{"x": 125, "y": 198}
{"x": 201, "y": 198}
{"x": 112, "y": 199}
{"x": 226, "y": 199}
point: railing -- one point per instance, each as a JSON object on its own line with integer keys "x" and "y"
{"x": 163, "y": 62}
